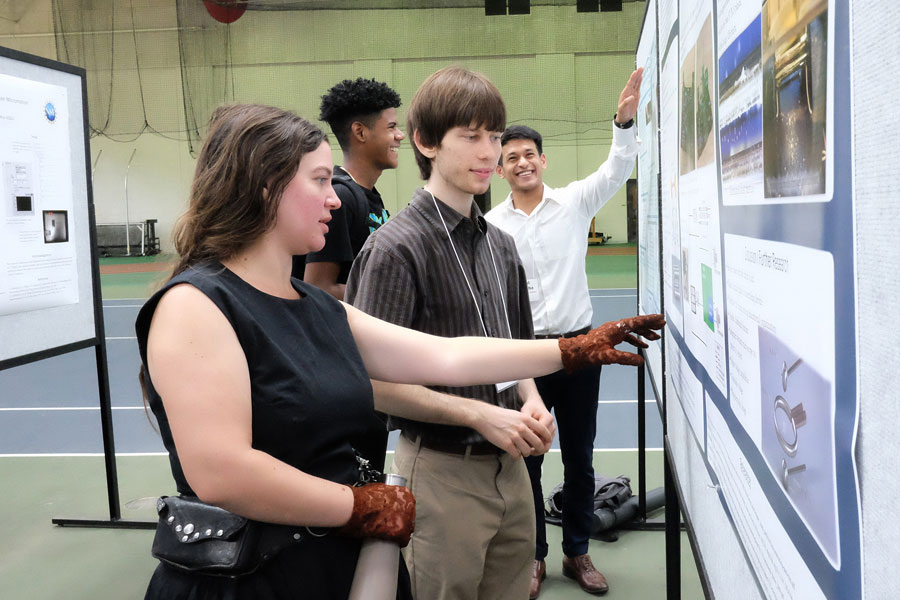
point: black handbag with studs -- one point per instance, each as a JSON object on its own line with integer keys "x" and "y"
{"x": 194, "y": 536}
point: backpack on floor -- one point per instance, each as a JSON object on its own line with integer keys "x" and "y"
{"x": 609, "y": 493}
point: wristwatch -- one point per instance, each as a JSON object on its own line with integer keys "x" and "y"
{"x": 626, "y": 125}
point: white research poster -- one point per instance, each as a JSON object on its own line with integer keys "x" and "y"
{"x": 37, "y": 255}
{"x": 758, "y": 269}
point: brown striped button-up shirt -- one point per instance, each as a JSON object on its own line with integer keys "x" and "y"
{"x": 407, "y": 273}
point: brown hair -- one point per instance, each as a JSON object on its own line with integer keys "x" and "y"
{"x": 250, "y": 154}
{"x": 452, "y": 97}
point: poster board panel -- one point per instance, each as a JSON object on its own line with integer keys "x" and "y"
{"x": 758, "y": 283}
{"x": 647, "y": 120}
{"x": 47, "y": 296}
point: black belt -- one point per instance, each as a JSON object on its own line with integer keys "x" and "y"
{"x": 555, "y": 336}
{"x": 484, "y": 448}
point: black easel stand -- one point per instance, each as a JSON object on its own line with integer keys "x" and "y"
{"x": 98, "y": 341}
{"x": 115, "y": 520}
{"x": 673, "y": 533}
{"x": 641, "y": 523}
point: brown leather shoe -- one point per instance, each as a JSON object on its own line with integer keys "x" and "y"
{"x": 581, "y": 569}
{"x": 538, "y": 575}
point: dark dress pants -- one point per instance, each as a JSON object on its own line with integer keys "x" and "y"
{"x": 573, "y": 400}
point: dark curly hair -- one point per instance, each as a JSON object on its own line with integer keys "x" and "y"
{"x": 355, "y": 100}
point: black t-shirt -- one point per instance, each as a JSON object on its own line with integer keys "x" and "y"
{"x": 362, "y": 212}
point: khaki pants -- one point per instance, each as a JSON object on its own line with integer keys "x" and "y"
{"x": 475, "y": 528}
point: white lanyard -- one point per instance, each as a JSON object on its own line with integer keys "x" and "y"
{"x": 506, "y": 384}
{"x": 463, "y": 271}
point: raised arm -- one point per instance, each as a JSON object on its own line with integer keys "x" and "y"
{"x": 630, "y": 97}
{"x": 595, "y": 190}
{"x": 199, "y": 369}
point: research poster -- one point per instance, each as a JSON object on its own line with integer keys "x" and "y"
{"x": 668, "y": 164}
{"x": 758, "y": 276}
{"x": 37, "y": 255}
{"x": 701, "y": 259}
{"x": 647, "y": 118}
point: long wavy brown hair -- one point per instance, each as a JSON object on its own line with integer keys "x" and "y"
{"x": 250, "y": 155}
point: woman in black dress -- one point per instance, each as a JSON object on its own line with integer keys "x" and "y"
{"x": 259, "y": 381}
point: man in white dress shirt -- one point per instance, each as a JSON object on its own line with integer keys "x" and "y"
{"x": 550, "y": 227}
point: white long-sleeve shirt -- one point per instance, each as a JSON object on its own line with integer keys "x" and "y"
{"x": 552, "y": 240}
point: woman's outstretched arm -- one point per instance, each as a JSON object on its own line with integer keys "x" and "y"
{"x": 400, "y": 355}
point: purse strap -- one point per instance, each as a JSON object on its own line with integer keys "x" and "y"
{"x": 367, "y": 473}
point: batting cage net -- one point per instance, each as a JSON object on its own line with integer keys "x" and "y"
{"x": 160, "y": 67}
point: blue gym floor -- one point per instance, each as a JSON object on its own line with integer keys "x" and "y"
{"x": 51, "y": 406}
{"x": 51, "y": 465}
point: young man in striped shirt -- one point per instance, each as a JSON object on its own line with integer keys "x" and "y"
{"x": 438, "y": 267}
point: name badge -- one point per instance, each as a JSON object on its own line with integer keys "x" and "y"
{"x": 505, "y": 385}
{"x": 532, "y": 288}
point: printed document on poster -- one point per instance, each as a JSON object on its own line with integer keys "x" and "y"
{"x": 688, "y": 389}
{"x": 779, "y": 568}
{"x": 668, "y": 163}
{"x": 37, "y": 253}
{"x": 701, "y": 259}
{"x": 775, "y": 101}
{"x": 782, "y": 357}
{"x": 647, "y": 119}
{"x": 648, "y": 168}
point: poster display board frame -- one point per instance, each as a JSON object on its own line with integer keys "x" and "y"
{"x": 764, "y": 85}
{"x": 50, "y": 298}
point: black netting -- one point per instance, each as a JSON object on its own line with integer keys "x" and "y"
{"x": 161, "y": 67}
{"x": 207, "y": 78}
{"x": 130, "y": 53}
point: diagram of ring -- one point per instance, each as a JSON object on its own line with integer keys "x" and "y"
{"x": 797, "y": 412}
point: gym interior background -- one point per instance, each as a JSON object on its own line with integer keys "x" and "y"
{"x": 155, "y": 69}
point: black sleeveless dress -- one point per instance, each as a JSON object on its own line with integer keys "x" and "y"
{"x": 310, "y": 397}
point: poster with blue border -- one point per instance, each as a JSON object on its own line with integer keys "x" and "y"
{"x": 647, "y": 120}
{"x": 758, "y": 263}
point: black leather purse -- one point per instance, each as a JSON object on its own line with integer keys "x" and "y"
{"x": 198, "y": 537}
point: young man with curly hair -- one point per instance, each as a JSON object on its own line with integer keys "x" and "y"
{"x": 362, "y": 114}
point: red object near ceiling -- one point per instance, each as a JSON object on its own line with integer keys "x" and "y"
{"x": 226, "y": 14}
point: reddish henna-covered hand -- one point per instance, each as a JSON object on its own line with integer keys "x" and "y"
{"x": 386, "y": 512}
{"x": 597, "y": 347}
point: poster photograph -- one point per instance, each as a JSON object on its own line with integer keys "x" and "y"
{"x": 698, "y": 199}
{"x": 37, "y": 268}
